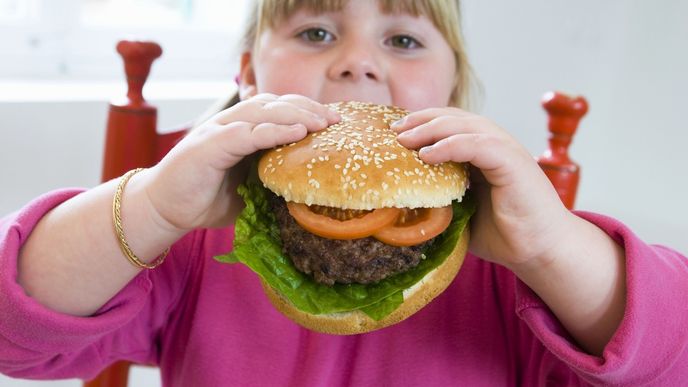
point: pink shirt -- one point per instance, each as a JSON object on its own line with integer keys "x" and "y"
{"x": 209, "y": 324}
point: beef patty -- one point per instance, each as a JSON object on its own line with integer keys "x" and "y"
{"x": 364, "y": 260}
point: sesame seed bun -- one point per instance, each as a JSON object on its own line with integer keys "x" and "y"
{"x": 359, "y": 164}
{"x": 356, "y": 322}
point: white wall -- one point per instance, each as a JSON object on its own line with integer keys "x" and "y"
{"x": 46, "y": 145}
{"x": 629, "y": 58}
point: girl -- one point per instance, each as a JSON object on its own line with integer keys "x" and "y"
{"x": 547, "y": 296}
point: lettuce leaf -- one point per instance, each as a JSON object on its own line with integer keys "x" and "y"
{"x": 257, "y": 244}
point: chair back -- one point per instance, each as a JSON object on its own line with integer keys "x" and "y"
{"x": 131, "y": 136}
{"x": 132, "y": 141}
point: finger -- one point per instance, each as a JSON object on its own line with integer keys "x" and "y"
{"x": 277, "y": 112}
{"x": 286, "y": 113}
{"x": 268, "y": 135}
{"x": 483, "y": 150}
{"x": 264, "y": 97}
{"x": 313, "y": 106}
{"x": 502, "y": 162}
{"x": 435, "y": 130}
{"x": 240, "y": 139}
{"x": 422, "y": 116}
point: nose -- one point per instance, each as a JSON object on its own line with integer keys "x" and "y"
{"x": 356, "y": 63}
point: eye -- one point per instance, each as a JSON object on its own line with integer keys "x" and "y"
{"x": 316, "y": 35}
{"x": 404, "y": 41}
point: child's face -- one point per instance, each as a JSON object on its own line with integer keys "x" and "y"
{"x": 359, "y": 54}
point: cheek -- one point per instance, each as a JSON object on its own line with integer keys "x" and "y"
{"x": 281, "y": 83}
{"x": 281, "y": 73}
{"x": 425, "y": 85}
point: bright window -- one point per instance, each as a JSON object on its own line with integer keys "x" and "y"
{"x": 75, "y": 39}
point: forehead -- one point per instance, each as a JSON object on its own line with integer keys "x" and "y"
{"x": 272, "y": 12}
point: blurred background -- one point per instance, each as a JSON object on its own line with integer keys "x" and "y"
{"x": 629, "y": 58}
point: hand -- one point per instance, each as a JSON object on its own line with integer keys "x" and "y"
{"x": 520, "y": 218}
{"x": 195, "y": 184}
{"x": 576, "y": 268}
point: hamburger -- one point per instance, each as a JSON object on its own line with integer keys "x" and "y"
{"x": 348, "y": 230}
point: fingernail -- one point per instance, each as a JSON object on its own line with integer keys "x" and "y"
{"x": 398, "y": 122}
{"x": 405, "y": 134}
{"x": 425, "y": 150}
{"x": 333, "y": 116}
{"x": 322, "y": 120}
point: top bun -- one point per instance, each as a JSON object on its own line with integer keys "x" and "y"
{"x": 359, "y": 164}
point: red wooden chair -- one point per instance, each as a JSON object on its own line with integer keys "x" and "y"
{"x": 132, "y": 141}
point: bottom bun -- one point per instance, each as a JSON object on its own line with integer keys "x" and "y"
{"x": 351, "y": 323}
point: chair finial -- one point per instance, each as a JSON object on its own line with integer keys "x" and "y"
{"x": 565, "y": 113}
{"x": 138, "y": 58}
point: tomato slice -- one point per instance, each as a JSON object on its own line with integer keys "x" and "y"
{"x": 322, "y": 221}
{"x": 415, "y": 226}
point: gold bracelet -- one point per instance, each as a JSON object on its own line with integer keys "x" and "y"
{"x": 119, "y": 231}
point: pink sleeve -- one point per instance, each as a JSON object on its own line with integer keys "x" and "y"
{"x": 651, "y": 343}
{"x": 36, "y": 342}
